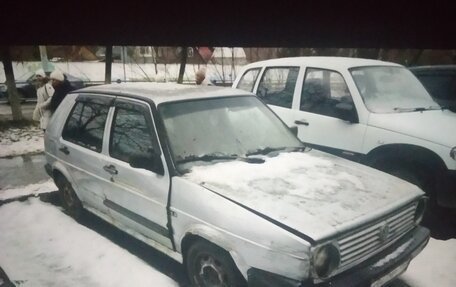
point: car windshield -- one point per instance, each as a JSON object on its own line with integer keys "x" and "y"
{"x": 224, "y": 129}
{"x": 387, "y": 89}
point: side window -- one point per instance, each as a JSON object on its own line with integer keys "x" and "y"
{"x": 248, "y": 80}
{"x": 85, "y": 125}
{"x": 322, "y": 91}
{"x": 277, "y": 86}
{"x": 131, "y": 138}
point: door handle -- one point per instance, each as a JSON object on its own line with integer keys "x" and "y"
{"x": 110, "y": 169}
{"x": 302, "y": 122}
{"x": 64, "y": 149}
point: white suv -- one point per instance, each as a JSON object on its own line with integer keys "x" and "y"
{"x": 373, "y": 112}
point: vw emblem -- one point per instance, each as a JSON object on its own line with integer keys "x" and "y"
{"x": 383, "y": 232}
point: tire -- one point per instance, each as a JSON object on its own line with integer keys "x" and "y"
{"x": 69, "y": 199}
{"x": 209, "y": 265}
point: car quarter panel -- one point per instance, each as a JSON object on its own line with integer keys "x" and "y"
{"x": 251, "y": 240}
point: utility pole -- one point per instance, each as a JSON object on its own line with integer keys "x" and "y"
{"x": 44, "y": 60}
{"x": 108, "y": 64}
{"x": 182, "y": 65}
{"x": 13, "y": 95}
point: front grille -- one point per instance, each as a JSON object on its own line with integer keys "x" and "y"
{"x": 360, "y": 244}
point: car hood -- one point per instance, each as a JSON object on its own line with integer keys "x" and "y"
{"x": 312, "y": 192}
{"x": 436, "y": 126}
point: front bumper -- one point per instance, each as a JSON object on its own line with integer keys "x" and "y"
{"x": 368, "y": 272}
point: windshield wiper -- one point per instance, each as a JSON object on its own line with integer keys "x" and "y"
{"x": 419, "y": 109}
{"x": 267, "y": 150}
{"x": 217, "y": 156}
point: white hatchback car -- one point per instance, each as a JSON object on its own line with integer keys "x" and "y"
{"x": 369, "y": 111}
{"x": 212, "y": 177}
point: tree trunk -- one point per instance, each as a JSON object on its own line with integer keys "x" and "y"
{"x": 182, "y": 65}
{"x": 44, "y": 60}
{"x": 108, "y": 63}
{"x": 13, "y": 95}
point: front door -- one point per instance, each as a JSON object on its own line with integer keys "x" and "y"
{"x": 318, "y": 116}
{"x": 136, "y": 169}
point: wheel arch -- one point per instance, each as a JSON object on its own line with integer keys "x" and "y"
{"x": 408, "y": 152}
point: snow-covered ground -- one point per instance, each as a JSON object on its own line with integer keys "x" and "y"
{"x": 15, "y": 141}
{"x": 32, "y": 189}
{"x": 41, "y": 246}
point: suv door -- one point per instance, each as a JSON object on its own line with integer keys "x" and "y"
{"x": 80, "y": 147}
{"x": 135, "y": 168}
{"x": 327, "y": 116}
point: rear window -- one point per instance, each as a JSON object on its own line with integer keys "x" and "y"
{"x": 85, "y": 125}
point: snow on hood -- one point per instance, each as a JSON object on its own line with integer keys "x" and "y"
{"x": 312, "y": 192}
{"x": 435, "y": 126}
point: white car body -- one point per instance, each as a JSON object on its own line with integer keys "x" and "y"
{"x": 427, "y": 135}
{"x": 270, "y": 216}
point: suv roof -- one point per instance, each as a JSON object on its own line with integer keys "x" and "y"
{"x": 322, "y": 62}
{"x": 163, "y": 92}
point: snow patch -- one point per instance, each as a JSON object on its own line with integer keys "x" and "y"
{"x": 26, "y": 140}
{"x": 32, "y": 189}
{"x": 434, "y": 266}
{"x": 41, "y": 246}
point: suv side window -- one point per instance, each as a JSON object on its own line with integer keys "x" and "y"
{"x": 277, "y": 86}
{"x": 322, "y": 91}
{"x": 131, "y": 136}
{"x": 248, "y": 80}
{"x": 85, "y": 125}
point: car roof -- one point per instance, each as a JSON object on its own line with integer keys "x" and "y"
{"x": 164, "y": 92}
{"x": 323, "y": 62}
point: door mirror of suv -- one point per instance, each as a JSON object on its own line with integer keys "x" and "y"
{"x": 346, "y": 112}
{"x": 152, "y": 163}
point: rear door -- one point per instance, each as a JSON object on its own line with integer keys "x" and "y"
{"x": 80, "y": 147}
{"x": 135, "y": 168}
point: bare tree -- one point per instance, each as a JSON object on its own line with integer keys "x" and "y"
{"x": 13, "y": 95}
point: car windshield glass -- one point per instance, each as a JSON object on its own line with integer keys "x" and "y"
{"x": 223, "y": 129}
{"x": 387, "y": 89}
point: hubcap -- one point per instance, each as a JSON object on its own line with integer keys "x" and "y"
{"x": 211, "y": 272}
{"x": 68, "y": 196}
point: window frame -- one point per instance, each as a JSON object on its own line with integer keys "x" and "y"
{"x": 144, "y": 109}
{"x": 263, "y": 74}
{"x": 254, "y": 81}
{"x": 84, "y": 99}
{"x": 307, "y": 68}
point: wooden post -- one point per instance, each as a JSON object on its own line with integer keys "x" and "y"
{"x": 13, "y": 95}
{"x": 108, "y": 64}
{"x": 182, "y": 65}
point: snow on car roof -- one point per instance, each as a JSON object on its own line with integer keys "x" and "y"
{"x": 323, "y": 62}
{"x": 164, "y": 92}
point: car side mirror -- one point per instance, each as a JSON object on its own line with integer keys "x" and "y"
{"x": 347, "y": 112}
{"x": 294, "y": 130}
{"x": 152, "y": 163}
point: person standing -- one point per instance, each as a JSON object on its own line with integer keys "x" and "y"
{"x": 200, "y": 78}
{"x": 44, "y": 93}
{"x": 62, "y": 87}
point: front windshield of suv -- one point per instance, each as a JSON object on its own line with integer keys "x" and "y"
{"x": 387, "y": 89}
{"x": 223, "y": 128}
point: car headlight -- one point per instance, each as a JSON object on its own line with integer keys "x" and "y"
{"x": 326, "y": 259}
{"x": 453, "y": 153}
{"x": 420, "y": 209}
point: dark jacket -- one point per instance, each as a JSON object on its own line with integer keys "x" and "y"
{"x": 60, "y": 92}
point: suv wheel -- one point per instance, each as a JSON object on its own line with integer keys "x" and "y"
{"x": 69, "y": 199}
{"x": 209, "y": 265}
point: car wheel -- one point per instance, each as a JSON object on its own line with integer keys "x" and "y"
{"x": 209, "y": 265}
{"x": 69, "y": 199}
